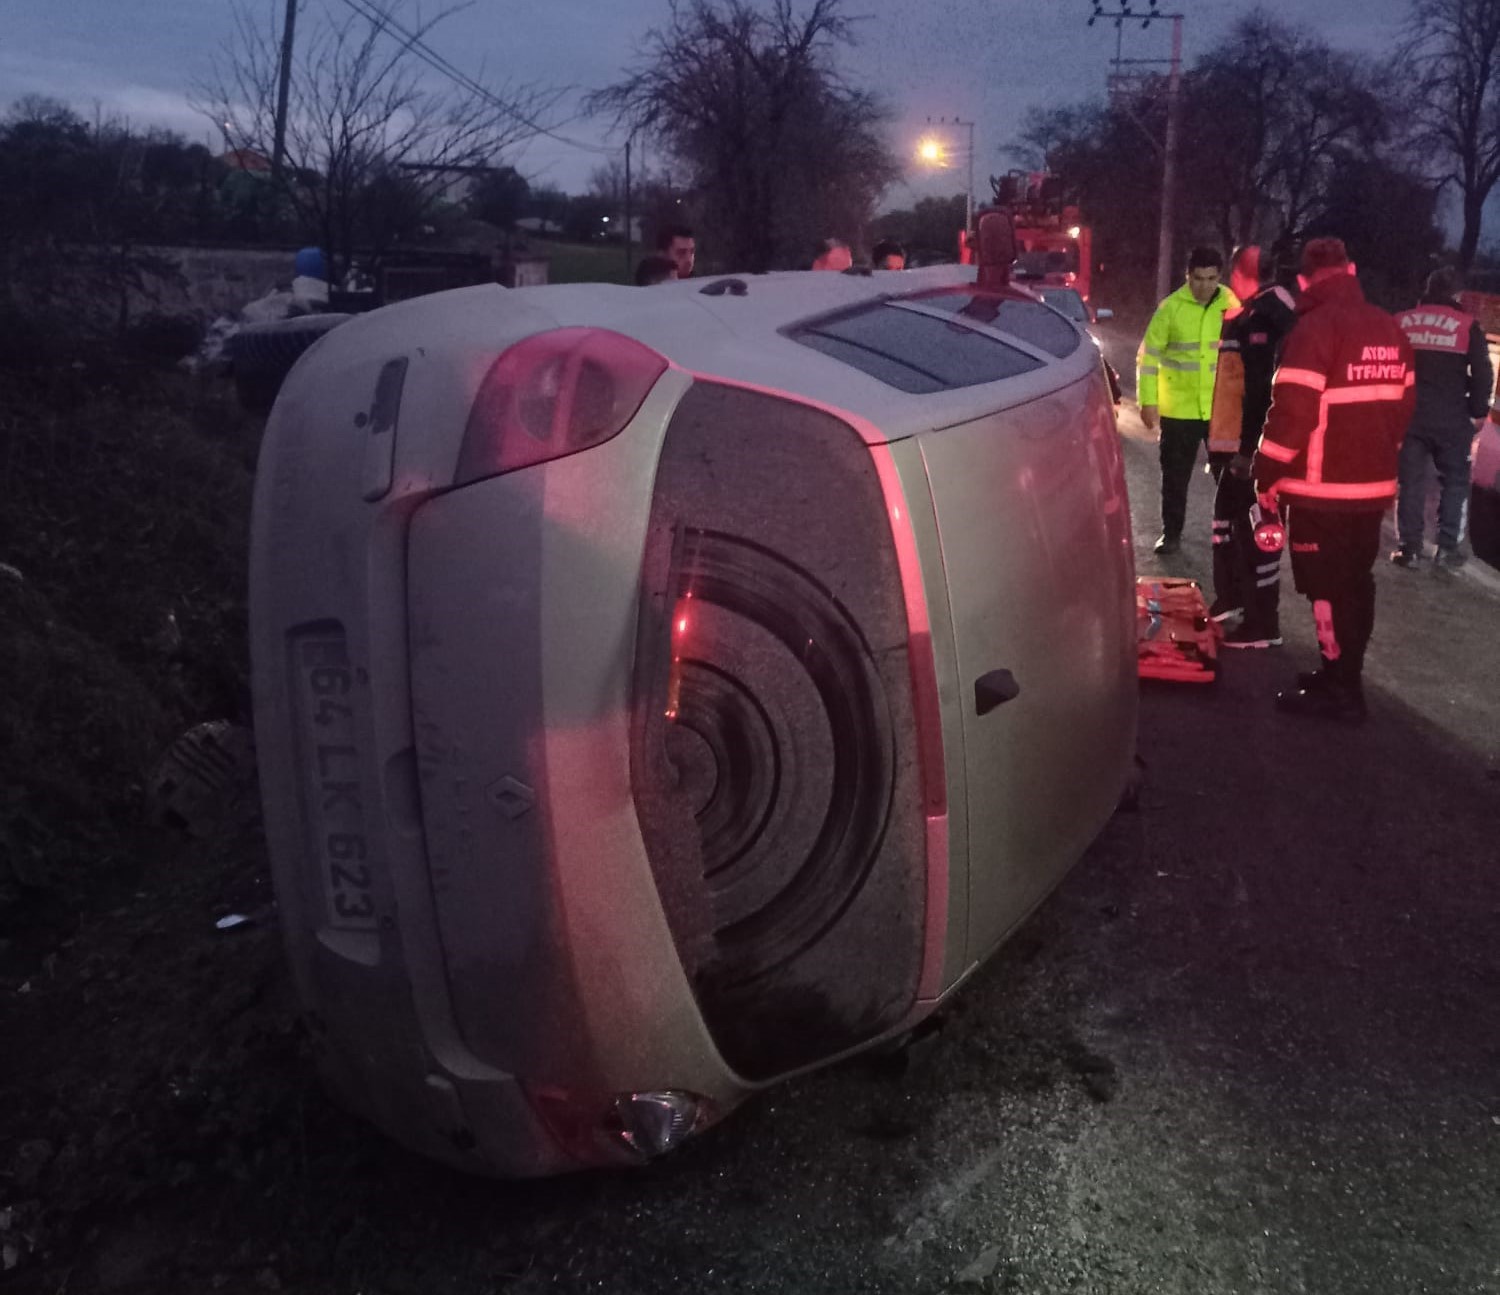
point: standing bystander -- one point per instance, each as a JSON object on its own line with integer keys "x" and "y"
{"x": 1454, "y": 381}
{"x": 654, "y": 270}
{"x": 832, "y": 254}
{"x": 677, "y": 244}
{"x": 1175, "y": 378}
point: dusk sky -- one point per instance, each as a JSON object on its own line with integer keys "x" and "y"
{"x": 985, "y": 60}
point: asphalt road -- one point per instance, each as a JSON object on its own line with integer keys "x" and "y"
{"x": 1252, "y": 1044}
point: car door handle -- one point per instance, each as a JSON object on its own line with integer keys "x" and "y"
{"x": 994, "y": 689}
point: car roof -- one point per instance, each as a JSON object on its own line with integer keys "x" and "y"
{"x": 742, "y": 337}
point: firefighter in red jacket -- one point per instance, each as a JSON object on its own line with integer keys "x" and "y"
{"x": 1341, "y": 401}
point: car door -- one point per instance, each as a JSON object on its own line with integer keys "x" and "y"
{"x": 1035, "y": 534}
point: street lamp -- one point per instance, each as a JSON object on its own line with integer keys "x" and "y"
{"x": 932, "y": 151}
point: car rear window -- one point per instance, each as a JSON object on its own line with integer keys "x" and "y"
{"x": 1029, "y": 321}
{"x": 914, "y": 352}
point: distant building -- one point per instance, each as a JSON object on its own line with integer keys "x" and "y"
{"x": 246, "y": 159}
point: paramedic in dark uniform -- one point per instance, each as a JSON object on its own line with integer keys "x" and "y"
{"x": 1246, "y": 556}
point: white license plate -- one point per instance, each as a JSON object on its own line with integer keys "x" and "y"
{"x": 335, "y": 800}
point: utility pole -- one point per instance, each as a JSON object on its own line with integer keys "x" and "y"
{"x": 1165, "y": 270}
{"x": 629, "y": 242}
{"x": 969, "y": 190}
{"x": 630, "y": 198}
{"x": 1167, "y": 229}
{"x": 283, "y": 92}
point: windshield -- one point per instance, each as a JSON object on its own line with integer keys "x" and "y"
{"x": 1066, "y": 302}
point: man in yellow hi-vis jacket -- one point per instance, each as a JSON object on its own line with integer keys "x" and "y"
{"x": 1175, "y": 380}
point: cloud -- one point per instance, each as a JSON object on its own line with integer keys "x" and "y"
{"x": 88, "y": 89}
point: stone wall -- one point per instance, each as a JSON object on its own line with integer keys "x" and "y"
{"x": 212, "y": 281}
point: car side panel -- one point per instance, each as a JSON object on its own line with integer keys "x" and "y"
{"x": 1035, "y": 530}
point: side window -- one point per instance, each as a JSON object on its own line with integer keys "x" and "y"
{"x": 913, "y": 352}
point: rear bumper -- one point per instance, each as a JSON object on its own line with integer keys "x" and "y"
{"x": 359, "y": 916}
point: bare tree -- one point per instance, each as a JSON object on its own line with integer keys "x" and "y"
{"x": 1241, "y": 92}
{"x": 1276, "y": 112}
{"x": 1452, "y": 64}
{"x": 373, "y": 116}
{"x": 500, "y": 196}
{"x": 1047, "y": 133}
{"x": 1287, "y": 136}
{"x": 607, "y": 182}
{"x": 81, "y": 204}
{"x": 749, "y": 100}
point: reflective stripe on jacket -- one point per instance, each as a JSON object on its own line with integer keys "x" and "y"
{"x": 1178, "y": 358}
{"x": 1340, "y": 403}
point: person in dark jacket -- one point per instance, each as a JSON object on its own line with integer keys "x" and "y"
{"x": 1454, "y": 381}
{"x": 1340, "y": 403}
{"x": 654, "y": 270}
{"x": 1246, "y": 557}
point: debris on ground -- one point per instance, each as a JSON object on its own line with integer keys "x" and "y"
{"x": 981, "y": 1270}
{"x": 198, "y": 777}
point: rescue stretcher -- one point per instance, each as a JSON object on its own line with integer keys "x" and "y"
{"x": 1175, "y": 636}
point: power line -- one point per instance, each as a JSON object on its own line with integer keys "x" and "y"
{"x": 372, "y": 13}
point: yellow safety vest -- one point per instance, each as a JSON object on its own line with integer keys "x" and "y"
{"x": 1178, "y": 359}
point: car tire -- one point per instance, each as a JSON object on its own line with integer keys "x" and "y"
{"x": 263, "y": 354}
{"x": 1484, "y": 524}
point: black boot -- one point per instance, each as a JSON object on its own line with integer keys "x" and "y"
{"x": 1324, "y": 695}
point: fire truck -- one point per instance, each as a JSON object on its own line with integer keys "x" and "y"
{"x": 1053, "y": 246}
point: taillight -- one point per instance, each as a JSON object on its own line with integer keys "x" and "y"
{"x": 554, "y": 394}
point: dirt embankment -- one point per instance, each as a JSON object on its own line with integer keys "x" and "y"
{"x": 140, "y": 1040}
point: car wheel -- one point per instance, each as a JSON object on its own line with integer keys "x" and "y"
{"x": 1484, "y": 524}
{"x": 263, "y": 354}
